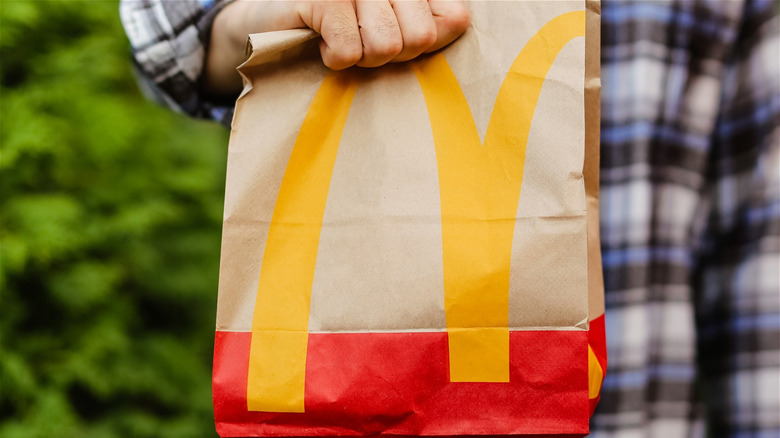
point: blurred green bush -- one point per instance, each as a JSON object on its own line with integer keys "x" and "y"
{"x": 109, "y": 224}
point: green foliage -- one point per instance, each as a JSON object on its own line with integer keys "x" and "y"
{"x": 110, "y": 224}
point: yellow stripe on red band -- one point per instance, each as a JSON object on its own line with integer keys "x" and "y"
{"x": 595, "y": 374}
{"x": 280, "y": 325}
{"x": 480, "y": 190}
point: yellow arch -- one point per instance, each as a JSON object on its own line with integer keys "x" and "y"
{"x": 280, "y": 325}
{"x": 480, "y": 190}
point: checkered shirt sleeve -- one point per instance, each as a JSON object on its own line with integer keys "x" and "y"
{"x": 690, "y": 218}
{"x": 738, "y": 303}
{"x": 169, "y": 40}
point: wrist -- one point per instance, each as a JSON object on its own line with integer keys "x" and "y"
{"x": 243, "y": 17}
{"x": 232, "y": 23}
{"x": 229, "y": 33}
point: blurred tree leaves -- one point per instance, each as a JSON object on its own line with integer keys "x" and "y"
{"x": 109, "y": 224}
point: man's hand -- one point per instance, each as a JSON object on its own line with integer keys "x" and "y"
{"x": 367, "y": 33}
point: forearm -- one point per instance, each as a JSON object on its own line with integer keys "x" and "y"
{"x": 219, "y": 75}
{"x": 229, "y": 36}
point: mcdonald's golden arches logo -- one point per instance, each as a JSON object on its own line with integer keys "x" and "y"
{"x": 479, "y": 190}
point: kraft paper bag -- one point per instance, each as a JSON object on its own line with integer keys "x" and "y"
{"x": 413, "y": 249}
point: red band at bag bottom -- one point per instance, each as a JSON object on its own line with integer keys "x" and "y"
{"x": 398, "y": 384}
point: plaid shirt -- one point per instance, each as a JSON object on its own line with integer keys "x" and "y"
{"x": 690, "y": 202}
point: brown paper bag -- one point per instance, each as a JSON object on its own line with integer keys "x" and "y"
{"x": 413, "y": 250}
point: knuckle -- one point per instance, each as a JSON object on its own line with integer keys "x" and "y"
{"x": 347, "y": 55}
{"x": 386, "y": 20}
{"x": 385, "y": 48}
{"x": 422, "y": 34}
{"x": 382, "y": 36}
{"x": 344, "y": 40}
{"x": 422, "y": 38}
{"x": 458, "y": 18}
{"x": 339, "y": 21}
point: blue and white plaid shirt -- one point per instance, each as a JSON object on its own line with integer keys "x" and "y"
{"x": 690, "y": 202}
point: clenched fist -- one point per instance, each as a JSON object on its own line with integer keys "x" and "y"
{"x": 367, "y": 33}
